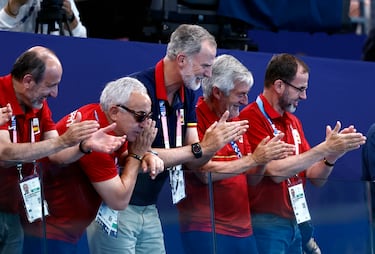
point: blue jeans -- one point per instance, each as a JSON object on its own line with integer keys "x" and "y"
{"x": 196, "y": 242}
{"x": 11, "y": 234}
{"x": 139, "y": 231}
{"x": 276, "y": 235}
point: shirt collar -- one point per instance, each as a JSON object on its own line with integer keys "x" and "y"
{"x": 161, "y": 90}
{"x": 12, "y": 99}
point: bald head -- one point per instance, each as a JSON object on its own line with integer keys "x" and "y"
{"x": 35, "y": 61}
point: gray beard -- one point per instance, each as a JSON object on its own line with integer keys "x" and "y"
{"x": 290, "y": 108}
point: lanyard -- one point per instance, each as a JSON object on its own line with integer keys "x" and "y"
{"x": 276, "y": 131}
{"x": 164, "y": 125}
{"x": 176, "y": 175}
{"x": 33, "y": 124}
{"x": 261, "y": 107}
{"x": 236, "y": 149}
{"x": 296, "y": 137}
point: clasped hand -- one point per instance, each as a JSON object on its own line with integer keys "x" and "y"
{"x": 272, "y": 149}
{"x": 142, "y": 145}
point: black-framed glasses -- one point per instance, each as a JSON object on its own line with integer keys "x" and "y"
{"x": 139, "y": 116}
{"x": 300, "y": 89}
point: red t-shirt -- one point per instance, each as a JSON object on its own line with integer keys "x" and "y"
{"x": 232, "y": 214}
{"x": 268, "y": 196}
{"x": 72, "y": 200}
{"x": 11, "y": 200}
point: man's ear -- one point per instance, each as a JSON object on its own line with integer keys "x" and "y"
{"x": 113, "y": 113}
{"x": 181, "y": 59}
{"x": 278, "y": 86}
{"x": 216, "y": 92}
{"x": 26, "y": 80}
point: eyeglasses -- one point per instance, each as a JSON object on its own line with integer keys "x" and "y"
{"x": 139, "y": 116}
{"x": 300, "y": 89}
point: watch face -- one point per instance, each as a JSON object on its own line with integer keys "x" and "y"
{"x": 197, "y": 150}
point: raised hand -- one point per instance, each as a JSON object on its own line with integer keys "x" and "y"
{"x": 13, "y": 6}
{"x": 101, "y": 141}
{"x": 79, "y": 131}
{"x": 143, "y": 141}
{"x": 222, "y": 132}
{"x": 272, "y": 149}
{"x": 5, "y": 114}
{"x": 339, "y": 142}
{"x": 153, "y": 164}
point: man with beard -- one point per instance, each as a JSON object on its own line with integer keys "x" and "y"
{"x": 278, "y": 203}
{"x": 227, "y": 89}
{"x": 31, "y": 135}
{"x": 96, "y": 177}
{"x": 171, "y": 85}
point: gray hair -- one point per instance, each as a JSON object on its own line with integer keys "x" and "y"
{"x": 119, "y": 91}
{"x": 187, "y": 39}
{"x": 226, "y": 70}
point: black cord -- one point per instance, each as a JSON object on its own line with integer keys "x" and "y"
{"x": 42, "y": 198}
{"x": 212, "y": 210}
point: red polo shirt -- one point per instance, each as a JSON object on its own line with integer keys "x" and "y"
{"x": 232, "y": 213}
{"x": 11, "y": 199}
{"x": 268, "y": 196}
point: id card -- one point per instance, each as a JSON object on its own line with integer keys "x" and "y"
{"x": 107, "y": 219}
{"x": 299, "y": 204}
{"x": 31, "y": 194}
{"x": 176, "y": 178}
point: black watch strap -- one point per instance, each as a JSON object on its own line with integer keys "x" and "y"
{"x": 196, "y": 149}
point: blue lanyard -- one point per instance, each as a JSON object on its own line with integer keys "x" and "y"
{"x": 236, "y": 149}
{"x": 261, "y": 107}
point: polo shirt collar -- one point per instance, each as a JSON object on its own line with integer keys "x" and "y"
{"x": 161, "y": 90}
{"x": 11, "y": 97}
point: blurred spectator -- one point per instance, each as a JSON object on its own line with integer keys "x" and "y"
{"x": 359, "y": 13}
{"x": 21, "y": 16}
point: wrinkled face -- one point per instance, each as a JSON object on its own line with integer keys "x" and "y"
{"x": 294, "y": 91}
{"x": 237, "y": 97}
{"x": 198, "y": 66}
{"x": 36, "y": 93}
{"x": 128, "y": 117}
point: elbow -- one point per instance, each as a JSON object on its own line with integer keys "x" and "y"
{"x": 318, "y": 182}
{"x": 8, "y": 154}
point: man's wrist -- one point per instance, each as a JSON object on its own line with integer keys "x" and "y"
{"x": 82, "y": 149}
{"x": 196, "y": 149}
{"x": 327, "y": 163}
{"x": 135, "y": 156}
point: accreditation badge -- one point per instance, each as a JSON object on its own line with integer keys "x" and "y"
{"x": 107, "y": 219}
{"x": 31, "y": 194}
{"x": 176, "y": 179}
{"x": 299, "y": 204}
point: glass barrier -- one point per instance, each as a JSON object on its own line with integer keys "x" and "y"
{"x": 339, "y": 213}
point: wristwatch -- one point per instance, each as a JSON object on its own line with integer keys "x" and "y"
{"x": 196, "y": 150}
